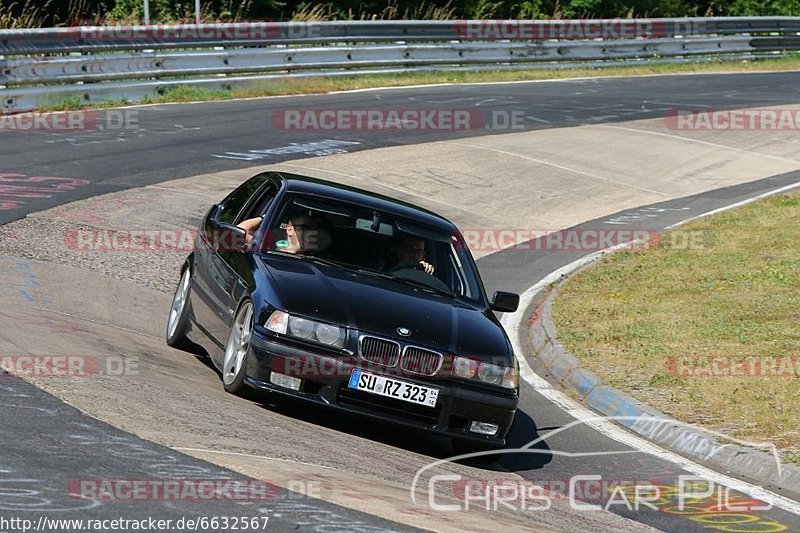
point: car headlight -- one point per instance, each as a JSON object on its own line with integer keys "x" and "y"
{"x": 305, "y": 329}
{"x": 491, "y": 373}
{"x": 328, "y": 334}
{"x": 301, "y": 328}
{"x": 465, "y": 367}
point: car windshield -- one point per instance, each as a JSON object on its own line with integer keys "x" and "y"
{"x": 373, "y": 243}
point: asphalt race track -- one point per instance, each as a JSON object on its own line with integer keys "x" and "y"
{"x": 173, "y": 141}
{"x": 53, "y": 443}
{"x": 47, "y": 445}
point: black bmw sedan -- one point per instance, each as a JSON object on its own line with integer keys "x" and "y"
{"x": 351, "y": 300}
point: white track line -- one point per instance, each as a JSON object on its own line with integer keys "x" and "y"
{"x": 737, "y": 204}
{"x": 512, "y": 322}
{"x": 555, "y": 165}
{"x": 698, "y": 141}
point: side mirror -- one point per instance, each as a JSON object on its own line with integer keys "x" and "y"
{"x": 230, "y": 238}
{"x": 504, "y": 302}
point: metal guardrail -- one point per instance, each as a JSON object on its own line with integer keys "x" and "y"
{"x": 38, "y": 66}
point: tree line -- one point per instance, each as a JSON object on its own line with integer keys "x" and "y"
{"x": 33, "y": 13}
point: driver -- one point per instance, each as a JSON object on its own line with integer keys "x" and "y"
{"x": 410, "y": 253}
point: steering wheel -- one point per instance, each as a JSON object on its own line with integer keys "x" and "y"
{"x": 407, "y": 266}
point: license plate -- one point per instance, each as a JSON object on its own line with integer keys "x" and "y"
{"x": 393, "y": 388}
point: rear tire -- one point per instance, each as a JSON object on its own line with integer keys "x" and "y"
{"x": 178, "y": 320}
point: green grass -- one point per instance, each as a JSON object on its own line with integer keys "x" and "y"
{"x": 287, "y": 86}
{"x": 734, "y": 294}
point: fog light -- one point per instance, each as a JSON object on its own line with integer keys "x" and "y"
{"x": 484, "y": 428}
{"x": 282, "y": 380}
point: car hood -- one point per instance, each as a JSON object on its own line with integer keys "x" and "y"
{"x": 376, "y": 305}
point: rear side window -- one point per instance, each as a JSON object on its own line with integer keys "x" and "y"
{"x": 236, "y": 200}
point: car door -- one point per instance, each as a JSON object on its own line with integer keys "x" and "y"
{"x": 215, "y": 280}
{"x": 204, "y": 307}
{"x": 236, "y": 268}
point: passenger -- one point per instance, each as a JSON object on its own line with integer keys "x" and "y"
{"x": 302, "y": 235}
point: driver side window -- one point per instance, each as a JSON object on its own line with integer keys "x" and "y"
{"x": 233, "y": 205}
{"x": 259, "y": 205}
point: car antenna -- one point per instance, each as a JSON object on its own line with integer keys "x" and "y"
{"x": 376, "y": 221}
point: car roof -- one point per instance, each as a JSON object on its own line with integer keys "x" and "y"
{"x": 296, "y": 183}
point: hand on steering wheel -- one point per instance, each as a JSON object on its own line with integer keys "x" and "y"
{"x": 422, "y": 266}
{"x": 425, "y": 267}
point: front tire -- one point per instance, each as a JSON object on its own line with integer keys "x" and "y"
{"x": 178, "y": 320}
{"x": 234, "y": 363}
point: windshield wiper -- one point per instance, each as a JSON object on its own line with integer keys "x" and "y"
{"x": 318, "y": 260}
{"x": 400, "y": 279}
{"x": 368, "y": 271}
{"x": 420, "y": 284}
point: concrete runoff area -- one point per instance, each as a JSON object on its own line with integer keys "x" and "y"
{"x": 146, "y": 145}
{"x": 542, "y": 180}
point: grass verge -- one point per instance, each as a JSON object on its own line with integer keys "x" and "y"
{"x": 665, "y": 324}
{"x": 316, "y": 85}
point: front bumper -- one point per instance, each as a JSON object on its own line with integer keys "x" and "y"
{"x": 325, "y": 382}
